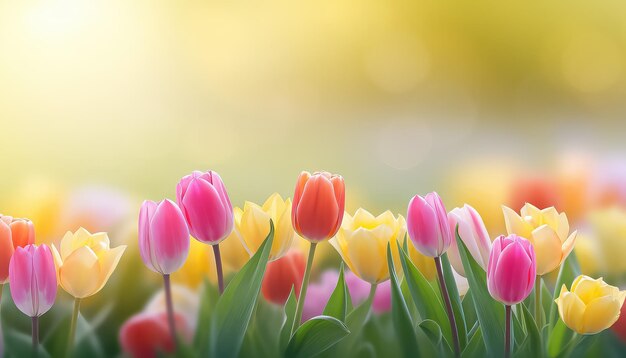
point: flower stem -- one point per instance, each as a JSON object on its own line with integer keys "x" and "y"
{"x": 70, "y": 338}
{"x": 538, "y": 307}
{"x": 218, "y": 266}
{"x": 446, "y": 299}
{"x": 35, "y": 332}
{"x": 303, "y": 288}
{"x": 170, "y": 308}
{"x": 507, "y": 331}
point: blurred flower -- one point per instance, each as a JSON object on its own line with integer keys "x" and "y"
{"x": 608, "y": 226}
{"x": 607, "y": 187}
{"x": 362, "y": 242}
{"x": 318, "y": 294}
{"x": 591, "y": 306}
{"x": 548, "y": 232}
{"x": 33, "y": 279}
{"x": 512, "y": 269}
{"x": 318, "y": 205}
{"x": 588, "y": 254}
{"x": 427, "y": 224}
{"x": 360, "y": 289}
{"x": 96, "y": 208}
{"x": 6, "y": 251}
{"x": 186, "y": 304}
{"x": 85, "y": 262}
{"x": 203, "y": 199}
{"x": 425, "y": 264}
{"x": 619, "y": 327}
{"x": 147, "y": 335}
{"x": 253, "y": 225}
{"x": 540, "y": 191}
{"x": 282, "y": 275}
{"x": 474, "y": 235}
{"x": 163, "y": 236}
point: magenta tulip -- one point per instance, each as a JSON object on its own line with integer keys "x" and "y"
{"x": 473, "y": 234}
{"x": 33, "y": 279}
{"x": 163, "y": 236}
{"x": 427, "y": 225}
{"x": 205, "y": 204}
{"x": 512, "y": 269}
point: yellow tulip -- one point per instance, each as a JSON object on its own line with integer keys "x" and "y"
{"x": 547, "y": 230}
{"x": 589, "y": 255}
{"x": 362, "y": 243}
{"x": 85, "y": 262}
{"x": 253, "y": 225}
{"x": 591, "y": 306}
{"x": 608, "y": 227}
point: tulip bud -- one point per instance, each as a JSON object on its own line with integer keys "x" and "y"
{"x": 283, "y": 274}
{"x": 427, "y": 224}
{"x": 22, "y": 232}
{"x": 473, "y": 234}
{"x": 591, "y": 306}
{"x": 6, "y": 251}
{"x": 147, "y": 335}
{"x": 318, "y": 205}
{"x": 163, "y": 236}
{"x": 33, "y": 279}
{"x": 511, "y": 272}
{"x": 203, "y": 199}
{"x": 14, "y": 233}
{"x": 548, "y": 232}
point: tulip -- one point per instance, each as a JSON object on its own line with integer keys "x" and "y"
{"x": 619, "y": 327}
{"x": 316, "y": 215}
{"x": 548, "y": 232}
{"x": 362, "y": 243}
{"x": 6, "y": 252}
{"x": 608, "y": 228}
{"x": 474, "y": 235}
{"x": 253, "y": 225}
{"x": 33, "y": 282}
{"x": 282, "y": 275}
{"x": 427, "y": 224}
{"x": 163, "y": 244}
{"x": 84, "y": 265}
{"x": 539, "y": 191}
{"x": 146, "y": 335}
{"x": 511, "y": 275}
{"x": 205, "y": 204}
{"x": 591, "y": 306}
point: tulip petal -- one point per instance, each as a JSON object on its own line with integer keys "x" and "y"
{"x": 547, "y": 249}
{"x": 21, "y": 281}
{"x": 43, "y": 265}
{"x": 80, "y": 273}
{"x": 367, "y": 254}
{"x": 600, "y": 314}
{"x": 205, "y": 212}
{"x": 108, "y": 260}
{"x": 571, "y": 310}
{"x": 510, "y": 281}
{"x": 568, "y": 245}
{"x": 515, "y": 224}
{"x": 319, "y": 206}
{"x": 169, "y": 238}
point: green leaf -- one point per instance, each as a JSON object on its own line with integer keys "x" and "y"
{"x": 208, "y": 300}
{"x": 290, "y": 315}
{"x": 432, "y": 330}
{"x": 455, "y": 299}
{"x": 261, "y": 339}
{"x": 490, "y": 313}
{"x": 559, "y": 337}
{"x": 20, "y": 345}
{"x": 425, "y": 299}
{"x": 469, "y": 312}
{"x": 475, "y": 347}
{"x": 234, "y": 309}
{"x": 400, "y": 313}
{"x": 534, "y": 337}
{"x": 315, "y": 336}
{"x": 338, "y": 302}
{"x": 355, "y": 321}
{"x": 567, "y": 273}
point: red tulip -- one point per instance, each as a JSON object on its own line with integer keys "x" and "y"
{"x": 318, "y": 205}
{"x": 283, "y": 274}
{"x": 619, "y": 327}
{"x": 147, "y": 335}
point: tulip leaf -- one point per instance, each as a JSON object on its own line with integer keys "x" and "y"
{"x": 290, "y": 315}
{"x": 315, "y": 336}
{"x": 475, "y": 347}
{"x": 18, "y": 344}
{"x": 400, "y": 313}
{"x": 261, "y": 338}
{"x": 455, "y": 299}
{"x": 490, "y": 313}
{"x": 558, "y": 339}
{"x": 208, "y": 300}
{"x": 425, "y": 299}
{"x": 432, "y": 330}
{"x": 234, "y": 309}
{"x": 567, "y": 274}
{"x": 532, "y": 347}
{"x": 338, "y": 302}
{"x": 469, "y": 312}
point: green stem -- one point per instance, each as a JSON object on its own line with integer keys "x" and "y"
{"x": 218, "y": 266}
{"x": 446, "y": 299}
{"x": 303, "y": 288}
{"x": 70, "y": 338}
{"x": 538, "y": 316}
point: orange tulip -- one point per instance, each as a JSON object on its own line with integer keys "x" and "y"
{"x": 14, "y": 233}
{"x": 318, "y": 205}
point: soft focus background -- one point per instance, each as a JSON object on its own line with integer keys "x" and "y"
{"x": 105, "y": 103}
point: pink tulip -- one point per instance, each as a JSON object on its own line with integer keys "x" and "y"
{"x": 473, "y": 234}
{"x": 427, "y": 225}
{"x": 512, "y": 269}
{"x": 33, "y": 279}
{"x": 163, "y": 236}
{"x": 205, "y": 204}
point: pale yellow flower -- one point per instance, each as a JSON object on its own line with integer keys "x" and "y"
{"x": 548, "y": 232}
{"x": 85, "y": 262}
{"x": 591, "y": 306}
